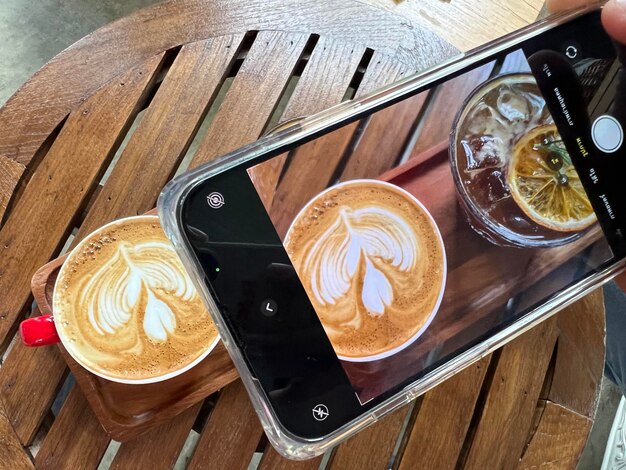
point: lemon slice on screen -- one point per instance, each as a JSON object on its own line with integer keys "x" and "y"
{"x": 545, "y": 185}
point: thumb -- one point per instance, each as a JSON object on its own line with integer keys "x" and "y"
{"x": 614, "y": 19}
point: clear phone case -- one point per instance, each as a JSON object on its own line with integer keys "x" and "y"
{"x": 173, "y": 195}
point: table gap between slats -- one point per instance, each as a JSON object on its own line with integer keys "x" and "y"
{"x": 480, "y": 403}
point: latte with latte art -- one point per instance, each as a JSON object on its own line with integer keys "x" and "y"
{"x": 126, "y": 305}
{"x": 373, "y": 264}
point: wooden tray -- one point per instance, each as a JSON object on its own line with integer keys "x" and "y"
{"x": 126, "y": 411}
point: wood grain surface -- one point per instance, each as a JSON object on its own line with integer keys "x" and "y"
{"x": 372, "y": 447}
{"x": 11, "y": 450}
{"x": 72, "y": 76}
{"x": 231, "y": 434}
{"x": 512, "y": 399}
{"x": 324, "y": 83}
{"x": 75, "y": 440}
{"x": 254, "y": 94}
{"x": 579, "y": 354}
{"x": 387, "y": 133}
{"x": 437, "y": 436}
{"x": 558, "y": 441}
{"x": 162, "y": 444}
{"x": 473, "y": 24}
{"x": 29, "y": 380}
{"x": 10, "y": 174}
{"x": 164, "y": 133}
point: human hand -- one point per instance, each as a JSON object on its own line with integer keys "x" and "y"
{"x": 613, "y": 15}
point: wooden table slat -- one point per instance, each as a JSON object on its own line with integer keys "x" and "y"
{"x": 29, "y": 381}
{"x": 161, "y": 445}
{"x": 231, "y": 434}
{"x": 580, "y": 355}
{"x": 10, "y": 173}
{"x": 383, "y": 70}
{"x": 373, "y": 447}
{"x": 559, "y": 439}
{"x": 512, "y": 399}
{"x": 440, "y": 427}
{"x": 12, "y": 455}
{"x": 165, "y": 132}
{"x": 255, "y": 92}
{"x": 75, "y": 440}
{"x": 323, "y": 84}
{"x": 325, "y": 79}
{"x": 384, "y": 139}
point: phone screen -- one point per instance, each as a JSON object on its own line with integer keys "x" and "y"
{"x": 430, "y": 225}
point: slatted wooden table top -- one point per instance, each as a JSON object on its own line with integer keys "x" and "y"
{"x": 99, "y": 130}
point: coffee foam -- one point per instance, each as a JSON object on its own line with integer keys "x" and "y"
{"x": 127, "y": 306}
{"x": 372, "y": 263}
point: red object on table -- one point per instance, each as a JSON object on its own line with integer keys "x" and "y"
{"x": 39, "y": 331}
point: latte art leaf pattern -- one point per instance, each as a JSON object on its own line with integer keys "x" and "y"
{"x": 114, "y": 292}
{"x": 372, "y": 262}
{"x": 344, "y": 259}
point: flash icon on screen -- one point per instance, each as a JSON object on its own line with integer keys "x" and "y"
{"x": 320, "y": 412}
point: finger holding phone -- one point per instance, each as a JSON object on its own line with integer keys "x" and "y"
{"x": 613, "y": 15}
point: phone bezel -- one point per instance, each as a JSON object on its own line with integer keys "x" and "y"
{"x": 175, "y": 194}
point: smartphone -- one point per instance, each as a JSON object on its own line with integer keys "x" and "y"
{"x": 350, "y": 269}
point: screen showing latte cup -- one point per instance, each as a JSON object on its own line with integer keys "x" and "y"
{"x": 125, "y": 308}
{"x": 373, "y": 263}
{"x": 380, "y": 250}
{"x": 409, "y": 254}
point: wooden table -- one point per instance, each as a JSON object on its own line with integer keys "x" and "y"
{"x": 180, "y": 83}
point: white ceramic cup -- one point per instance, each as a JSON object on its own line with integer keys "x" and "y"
{"x": 41, "y": 330}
